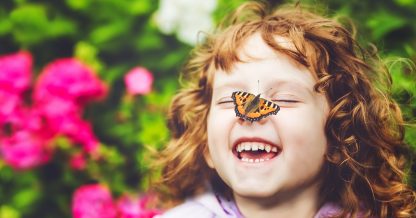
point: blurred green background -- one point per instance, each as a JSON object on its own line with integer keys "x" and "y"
{"x": 112, "y": 37}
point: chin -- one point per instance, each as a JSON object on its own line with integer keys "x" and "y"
{"x": 254, "y": 193}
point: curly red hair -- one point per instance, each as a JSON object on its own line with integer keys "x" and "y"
{"x": 366, "y": 162}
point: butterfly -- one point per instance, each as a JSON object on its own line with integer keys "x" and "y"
{"x": 251, "y": 107}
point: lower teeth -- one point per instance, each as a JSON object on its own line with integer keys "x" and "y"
{"x": 254, "y": 160}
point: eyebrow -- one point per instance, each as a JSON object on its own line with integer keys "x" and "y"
{"x": 293, "y": 84}
{"x": 231, "y": 84}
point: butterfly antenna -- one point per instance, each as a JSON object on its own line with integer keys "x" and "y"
{"x": 258, "y": 88}
{"x": 264, "y": 91}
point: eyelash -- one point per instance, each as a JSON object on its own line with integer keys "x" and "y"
{"x": 285, "y": 100}
{"x": 276, "y": 100}
{"x": 225, "y": 102}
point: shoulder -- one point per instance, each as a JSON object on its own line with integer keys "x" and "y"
{"x": 332, "y": 209}
{"x": 207, "y": 205}
{"x": 187, "y": 209}
{"x": 328, "y": 210}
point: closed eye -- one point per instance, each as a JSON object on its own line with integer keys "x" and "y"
{"x": 285, "y": 100}
{"x": 225, "y": 101}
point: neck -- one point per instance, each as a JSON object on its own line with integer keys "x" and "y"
{"x": 301, "y": 204}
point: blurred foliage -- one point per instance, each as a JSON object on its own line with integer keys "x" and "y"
{"x": 113, "y": 36}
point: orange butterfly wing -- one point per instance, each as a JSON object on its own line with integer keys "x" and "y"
{"x": 267, "y": 107}
{"x": 241, "y": 111}
{"x": 240, "y": 100}
{"x": 263, "y": 108}
{"x": 253, "y": 116}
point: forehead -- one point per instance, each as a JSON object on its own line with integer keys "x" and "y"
{"x": 255, "y": 47}
{"x": 262, "y": 64}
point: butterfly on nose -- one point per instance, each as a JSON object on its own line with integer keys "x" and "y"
{"x": 251, "y": 107}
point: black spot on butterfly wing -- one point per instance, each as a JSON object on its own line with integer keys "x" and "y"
{"x": 251, "y": 107}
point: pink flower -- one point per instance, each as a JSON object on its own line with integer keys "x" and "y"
{"x": 57, "y": 113}
{"x": 134, "y": 207}
{"x": 63, "y": 117}
{"x": 26, "y": 142}
{"x": 79, "y": 131}
{"x": 24, "y": 150}
{"x": 26, "y": 119}
{"x": 78, "y": 161}
{"x": 58, "y": 107}
{"x": 138, "y": 81}
{"x": 93, "y": 201}
{"x": 15, "y": 72}
{"x": 9, "y": 102}
{"x": 68, "y": 79}
{"x": 63, "y": 88}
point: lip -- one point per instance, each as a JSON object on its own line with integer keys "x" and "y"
{"x": 254, "y": 139}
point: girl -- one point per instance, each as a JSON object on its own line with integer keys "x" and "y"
{"x": 334, "y": 149}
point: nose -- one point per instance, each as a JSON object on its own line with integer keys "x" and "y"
{"x": 244, "y": 122}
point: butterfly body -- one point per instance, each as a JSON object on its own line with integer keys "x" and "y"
{"x": 251, "y": 107}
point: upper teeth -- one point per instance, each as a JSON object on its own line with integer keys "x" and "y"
{"x": 255, "y": 146}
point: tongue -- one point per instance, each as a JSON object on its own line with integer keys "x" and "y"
{"x": 257, "y": 155}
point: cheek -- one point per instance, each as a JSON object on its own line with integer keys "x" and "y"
{"x": 219, "y": 124}
{"x": 302, "y": 134}
{"x": 220, "y": 119}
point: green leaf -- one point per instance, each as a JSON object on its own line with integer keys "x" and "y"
{"x": 111, "y": 155}
{"x": 9, "y": 212}
{"x": 149, "y": 39}
{"x": 140, "y": 7}
{"x": 25, "y": 197}
{"x": 410, "y": 50}
{"x": 383, "y": 22}
{"x": 20, "y": 1}
{"x": 63, "y": 143}
{"x": 5, "y": 24}
{"x": 88, "y": 53}
{"x": 31, "y": 25}
{"x": 411, "y": 136}
{"x": 61, "y": 27}
{"x": 113, "y": 73}
{"x": 106, "y": 33}
{"x": 406, "y": 2}
{"x": 164, "y": 96}
{"x": 173, "y": 58}
{"x": 402, "y": 80}
{"x": 78, "y": 4}
{"x": 153, "y": 128}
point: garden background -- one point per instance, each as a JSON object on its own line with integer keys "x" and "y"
{"x": 70, "y": 118}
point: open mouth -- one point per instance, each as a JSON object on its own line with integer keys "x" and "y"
{"x": 255, "y": 151}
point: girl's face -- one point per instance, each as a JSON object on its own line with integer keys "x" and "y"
{"x": 296, "y": 134}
